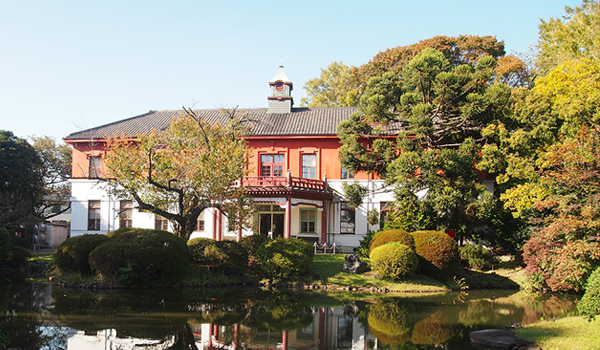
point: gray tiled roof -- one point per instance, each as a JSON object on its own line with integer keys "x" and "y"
{"x": 302, "y": 121}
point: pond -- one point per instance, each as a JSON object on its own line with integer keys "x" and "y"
{"x": 42, "y": 316}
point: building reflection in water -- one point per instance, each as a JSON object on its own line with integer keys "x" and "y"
{"x": 331, "y": 328}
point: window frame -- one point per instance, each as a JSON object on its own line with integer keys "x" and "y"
{"x": 161, "y": 223}
{"x": 125, "y": 207}
{"x": 307, "y": 224}
{"x": 200, "y": 223}
{"x": 94, "y": 167}
{"x": 274, "y": 165}
{"x": 309, "y": 169}
{"x": 345, "y": 208}
{"x": 347, "y": 174}
{"x": 94, "y": 215}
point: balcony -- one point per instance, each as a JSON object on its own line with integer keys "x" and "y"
{"x": 282, "y": 182}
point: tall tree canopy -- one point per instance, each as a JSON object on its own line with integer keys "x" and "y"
{"x": 576, "y": 35}
{"x": 21, "y": 180}
{"x": 336, "y": 86}
{"x": 339, "y": 85}
{"x": 438, "y": 108}
{"x": 179, "y": 172}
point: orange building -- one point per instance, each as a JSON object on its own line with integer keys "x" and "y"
{"x": 295, "y": 177}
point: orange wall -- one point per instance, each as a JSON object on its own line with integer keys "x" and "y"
{"x": 292, "y": 148}
{"x": 326, "y": 150}
{"x": 81, "y": 153}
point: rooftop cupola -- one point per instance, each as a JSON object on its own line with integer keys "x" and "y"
{"x": 280, "y": 101}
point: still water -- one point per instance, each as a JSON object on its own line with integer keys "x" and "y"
{"x": 41, "y": 316}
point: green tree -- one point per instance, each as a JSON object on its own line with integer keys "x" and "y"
{"x": 179, "y": 172}
{"x": 437, "y": 109}
{"x": 335, "y": 87}
{"x": 575, "y": 35}
{"x": 56, "y": 160}
{"x": 559, "y": 104}
{"x": 22, "y": 186}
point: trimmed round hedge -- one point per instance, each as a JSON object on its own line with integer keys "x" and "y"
{"x": 394, "y": 235}
{"x": 72, "y": 255}
{"x": 589, "y": 305}
{"x": 285, "y": 258}
{"x": 141, "y": 258}
{"x": 438, "y": 254}
{"x": 394, "y": 260}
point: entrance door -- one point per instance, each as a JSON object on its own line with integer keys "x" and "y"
{"x": 271, "y": 222}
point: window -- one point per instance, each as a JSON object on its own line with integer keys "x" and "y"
{"x": 308, "y": 220}
{"x": 384, "y": 209}
{"x": 160, "y": 223}
{"x": 125, "y": 214}
{"x": 95, "y": 171}
{"x": 271, "y": 165}
{"x": 347, "y": 219}
{"x": 346, "y": 174}
{"x": 309, "y": 166}
{"x": 200, "y": 222}
{"x": 94, "y": 215}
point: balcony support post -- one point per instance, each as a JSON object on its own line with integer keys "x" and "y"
{"x": 287, "y": 230}
{"x": 324, "y": 222}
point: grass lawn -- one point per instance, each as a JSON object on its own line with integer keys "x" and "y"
{"x": 569, "y": 333}
{"x": 329, "y": 269}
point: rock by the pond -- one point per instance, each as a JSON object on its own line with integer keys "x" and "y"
{"x": 353, "y": 264}
{"x": 500, "y": 339}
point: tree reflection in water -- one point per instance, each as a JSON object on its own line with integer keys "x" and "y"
{"x": 36, "y": 318}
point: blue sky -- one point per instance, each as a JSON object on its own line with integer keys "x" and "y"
{"x": 70, "y": 65}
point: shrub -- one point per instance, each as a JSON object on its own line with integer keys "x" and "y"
{"x": 477, "y": 257}
{"x": 284, "y": 258}
{"x": 252, "y": 242}
{"x": 438, "y": 253}
{"x": 394, "y": 260}
{"x": 393, "y": 235}
{"x": 227, "y": 256}
{"x": 141, "y": 258}
{"x": 557, "y": 262}
{"x": 363, "y": 249}
{"x": 197, "y": 247}
{"x": 72, "y": 256}
{"x": 589, "y": 305}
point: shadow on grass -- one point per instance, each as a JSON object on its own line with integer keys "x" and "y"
{"x": 486, "y": 280}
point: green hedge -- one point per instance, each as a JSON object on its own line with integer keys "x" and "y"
{"x": 72, "y": 256}
{"x": 141, "y": 258}
{"x": 197, "y": 247}
{"x": 285, "y": 258}
{"x": 438, "y": 254}
{"x": 393, "y": 260}
{"x": 477, "y": 257}
{"x": 253, "y": 242}
{"x": 589, "y": 305}
{"x": 393, "y": 235}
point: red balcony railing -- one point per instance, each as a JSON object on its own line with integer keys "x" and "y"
{"x": 282, "y": 181}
